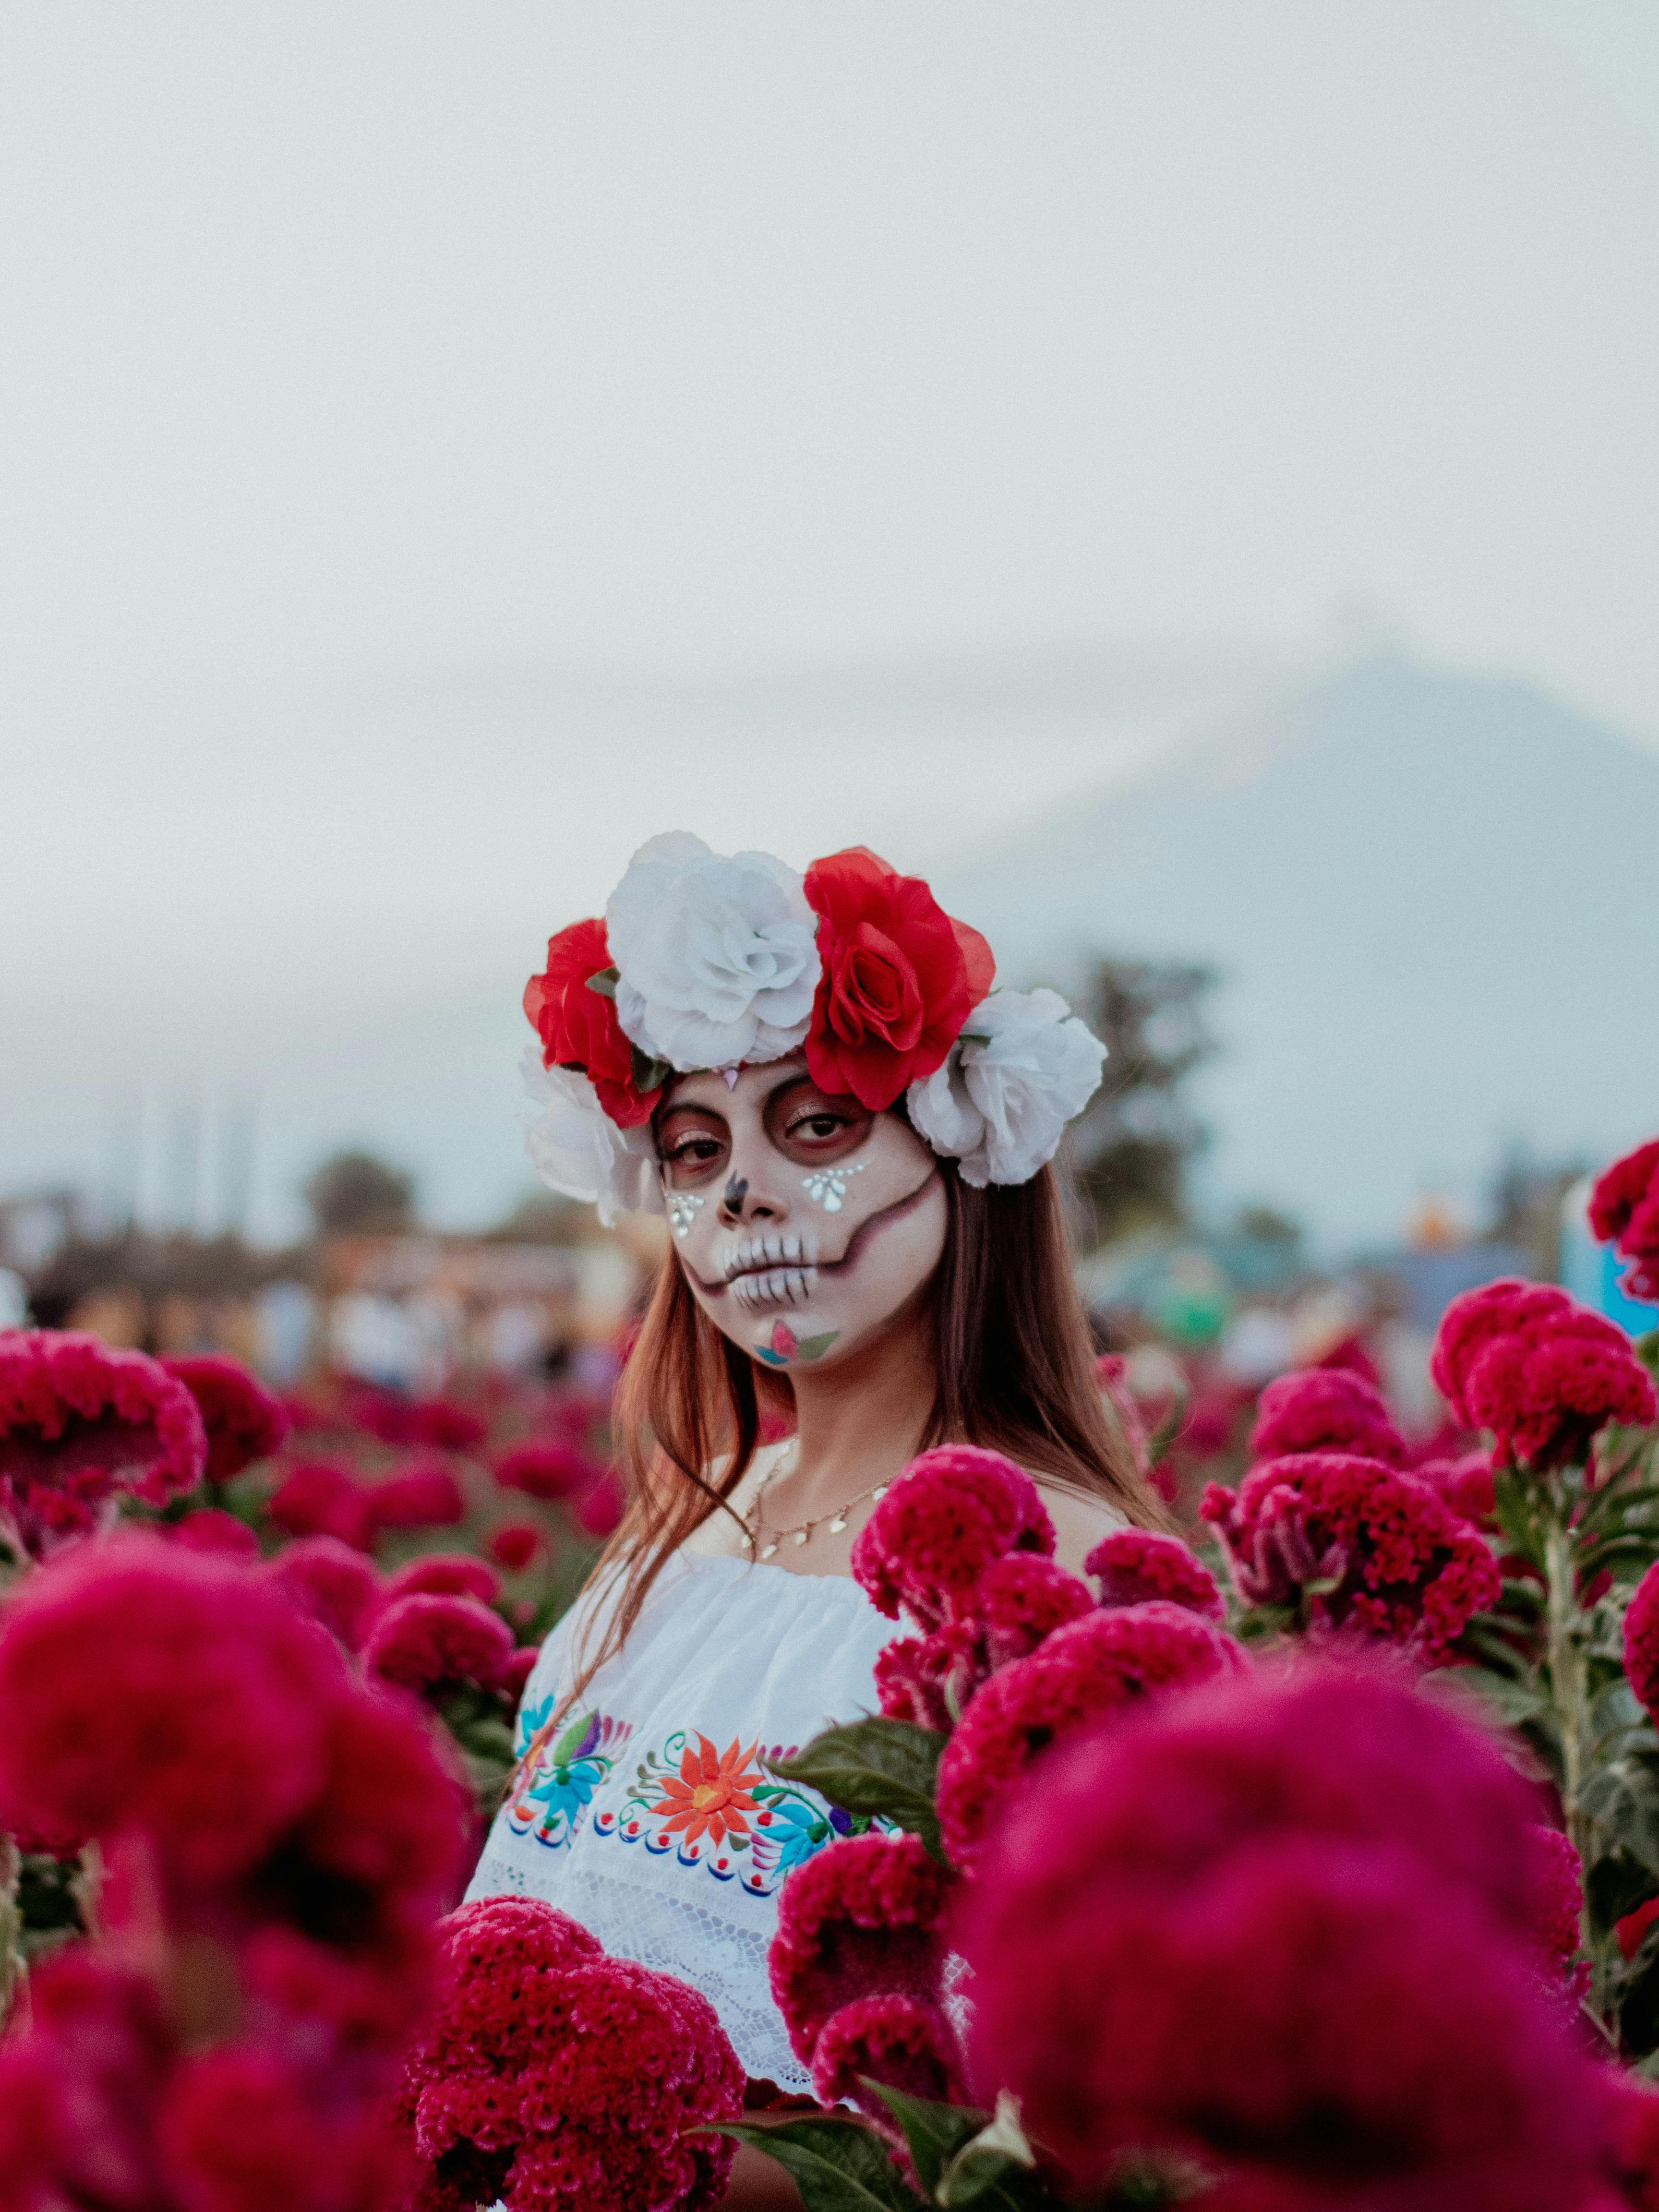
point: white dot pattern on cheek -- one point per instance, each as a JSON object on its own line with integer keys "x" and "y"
{"x": 683, "y": 1207}
{"x": 827, "y": 1187}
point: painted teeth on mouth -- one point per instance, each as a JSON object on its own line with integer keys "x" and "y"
{"x": 780, "y": 1286}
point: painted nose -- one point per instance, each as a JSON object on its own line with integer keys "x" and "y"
{"x": 743, "y": 1200}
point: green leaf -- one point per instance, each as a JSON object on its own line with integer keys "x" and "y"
{"x": 838, "y": 2165}
{"x": 1513, "y": 1701}
{"x": 1615, "y": 1885}
{"x": 933, "y": 2132}
{"x": 606, "y": 982}
{"x": 878, "y": 1767}
{"x": 997, "y": 2168}
{"x": 1622, "y": 1798}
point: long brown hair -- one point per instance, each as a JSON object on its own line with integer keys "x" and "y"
{"x": 1012, "y": 1355}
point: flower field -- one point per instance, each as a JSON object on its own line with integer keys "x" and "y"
{"x": 1313, "y": 1862}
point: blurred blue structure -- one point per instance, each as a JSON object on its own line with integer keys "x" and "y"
{"x": 1591, "y": 1270}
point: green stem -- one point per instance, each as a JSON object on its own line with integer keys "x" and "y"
{"x": 11, "y": 1925}
{"x": 1567, "y": 1686}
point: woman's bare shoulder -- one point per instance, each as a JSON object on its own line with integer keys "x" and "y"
{"x": 1080, "y": 1521}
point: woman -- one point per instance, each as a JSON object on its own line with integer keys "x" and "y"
{"x": 850, "y": 1133}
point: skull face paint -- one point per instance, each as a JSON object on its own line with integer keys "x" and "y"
{"x": 786, "y": 1276}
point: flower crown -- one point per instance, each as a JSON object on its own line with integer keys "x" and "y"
{"x": 703, "y": 961}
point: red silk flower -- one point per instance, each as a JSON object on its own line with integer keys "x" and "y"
{"x": 579, "y": 1028}
{"x": 899, "y": 978}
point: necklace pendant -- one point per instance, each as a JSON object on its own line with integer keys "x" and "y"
{"x": 801, "y": 1534}
{"x": 879, "y": 1494}
{"x": 838, "y": 1524}
{"x": 766, "y": 1550}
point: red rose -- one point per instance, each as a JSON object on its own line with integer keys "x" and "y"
{"x": 899, "y": 978}
{"x": 579, "y": 1028}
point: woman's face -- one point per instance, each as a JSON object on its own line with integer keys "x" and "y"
{"x": 806, "y": 1223}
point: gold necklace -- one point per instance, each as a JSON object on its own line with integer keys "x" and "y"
{"x": 754, "y": 1527}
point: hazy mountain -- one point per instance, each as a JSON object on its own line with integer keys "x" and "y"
{"x": 1435, "y": 902}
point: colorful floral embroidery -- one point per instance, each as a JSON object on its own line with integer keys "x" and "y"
{"x": 721, "y": 1810}
{"x": 557, "y": 1774}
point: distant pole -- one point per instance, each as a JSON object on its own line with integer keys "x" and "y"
{"x": 236, "y": 1121}
{"x": 183, "y": 1164}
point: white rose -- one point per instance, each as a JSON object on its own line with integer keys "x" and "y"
{"x": 1022, "y": 1066}
{"x": 717, "y": 959}
{"x": 577, "y": 1149}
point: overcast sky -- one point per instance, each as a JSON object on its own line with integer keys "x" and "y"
{"x": 404, "y": 409}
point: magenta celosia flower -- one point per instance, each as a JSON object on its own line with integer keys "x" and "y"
{"x": 515, "y": 1544}
{"x": 395, "y": 1419}
{"x": 79, "y": 1424}
{"x": 516, "y": 1669}
{"x": 860, "y": 1919}
{"x": 454, "y": 1574}
{"x": 1016, "y": 1603}
{"x": 1624, "y": 1211}
{"x": 321, "y": 1497}
{"x": 1361, "y": 1546}
{"x": 210, "y": 1529}
{"x": 1558, "y": 1897}
{"x": 1633, "y": 2157}
{"x": 599, "y": 1512}
{"x": 432, "y": 1638}
{"x": 1542, "y": 1372}
{"x": 98, "y": 2033}
{"x": 946, "y": 1517}
{"x": 1112, "y": 1373}
{"x": 553, "y": 2074}
{"x": 1085, "y": 1671}
{"x": 1132, "y": 1564}
{"x": 223, "y": 1695}
{"x": 330, "y": 1582}
{"x": 1464, "y": 1485}
{"x": 902, "y": 2041}
{"x": 1325, "y": 1409}
{"x": 243, "y": 1420}
{"x": 547, "y": 1468}
{"x": 245, "y": 2126}
{"x": 1282, "y": 1923}
{"x": 422, "y": 1496}
{"x": 1642, "y": 1640}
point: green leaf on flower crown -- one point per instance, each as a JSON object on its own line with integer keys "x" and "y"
{"x": 606, "y": 982}
{"x": 934, "y": 2133}
{"x": 838, "y": 2165}
{"x": 878, "y": 1767}
{"x": 649, "y": 1075}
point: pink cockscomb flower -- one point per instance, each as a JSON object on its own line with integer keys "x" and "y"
{"x": 79, "y": 1423}
{"x": 1112, "y": 1373}
{"x": 1642, "y": 1640}
{"x": 553, "y": 2074}
{"x": 1132, "y": 1564}
{"x": 1018, "y": 1601}
{"x": 1539, "y": 1370}
{"x": 1294, "y": 1912}
{"x": 1558, "y": 1891}
{"x": 431, "y": 1639}
{"x": 1465, "y": 1485}
{"x": 220, "y": 1696}
{"x": 1325, "y": 1409}
{"x": 245, "y": 1421}
{"x": 210, "y": 1529}
{"x": 1358, "y": 1545}
{"x": 599, "y": 1513}
{"x": 549, "y": 1468}
{"x": 424, "y": 1496}
{"x": 244, "y": 2126}
{"x": 451, "y": 1573}
{"x": 903, "y": 2042}
{"x": 1095, "y": 1666}
{"x": 322, "y": 1497}
{"x": 1624, "y": 1211}
{"x": 514, "y": 1545}
{"x": 860, "y": 1919}
{"x": 330, "y": 1582}
{"x": 946, "y": 1517}
{"x": 395, "y": 1419}
{"x": 516, "y": 1670}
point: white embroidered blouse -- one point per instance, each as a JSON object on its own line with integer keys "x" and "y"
{"x": 647, "y": 1814}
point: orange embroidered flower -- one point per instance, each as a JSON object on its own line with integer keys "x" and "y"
{"x": 712, "y": 1793}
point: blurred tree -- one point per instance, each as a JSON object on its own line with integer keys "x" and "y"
{"x": 1131, "y": 1148}
{"x": 355, "y": 1193}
